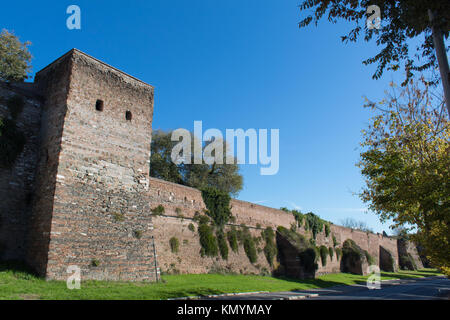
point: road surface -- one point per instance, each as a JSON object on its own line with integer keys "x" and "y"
{"x": 431, "y": 288}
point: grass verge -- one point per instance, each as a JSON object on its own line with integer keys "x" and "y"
{"x": 17, "y": 283}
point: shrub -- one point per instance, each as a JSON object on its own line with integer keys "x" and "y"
{"x": 203, "y": 219}
{"x": 196, "y": 216}
{"x": 174, "y": 244}
{"x": 191, "y": 227}
{"x": 138, "y": 234}
{"x": 270, "y": 249}
{"x": 178, "y": 211}
{"x": 323, "y": 255}
{"x": 369, "y": 258}
{"x": 299, "y": 217}
{"x": 118, "y": 217}
{"x": 331, "y": 252}
{"x": 308, "y": 253}
{"x": 327, "y": 229}
{"x": 249, "y": 246}
{"x": 338, "y": 253}
{"x": 250, "y": 249}
{"x": 223, "y": 247}
{"x": 232, "y": 239}
{"x": 208, "y": 241}
{"x": 314, "y": 223}
{"x": 407, "y": 262}
{"x": 308, "y": 258}
{"x": 95, "y": 263}
{"x": 335, "y": 243}
{"x": 159, "y": 210}
{"x": 293, "y": 227}
{"x": 352, "y": 254}
{"x": 218, "y": 204}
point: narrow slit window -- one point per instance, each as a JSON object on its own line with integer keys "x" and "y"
{"x": 99, "y": 105}
{"x": 128, "y": 115}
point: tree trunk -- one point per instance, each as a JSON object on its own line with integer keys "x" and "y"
{"x": 441, "y": 54}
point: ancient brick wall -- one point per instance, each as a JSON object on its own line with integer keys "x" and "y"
{"x": 180, "y": 205}
{"x": 189, "y": 260}
{"x": 16, "y": 183}
{"x": 92, "y": 196}
{"x": 93, "y": 202}
{"x": 187, "y": 201}
{"x": 53, "y": 82}
{"x": 407, "y": 249}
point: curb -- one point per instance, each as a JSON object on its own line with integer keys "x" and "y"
{"x": 296, "y": 297}
{"x": 309, "y": 295}
{"x": 218, "y": 295}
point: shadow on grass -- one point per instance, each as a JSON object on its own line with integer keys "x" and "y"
{"x": 410, "y": 274}
{"x": 431, "y": 271}
{"x": 17, "y": 267}
{"x": 318, "y": 283}
{"x": 201, "y": 292}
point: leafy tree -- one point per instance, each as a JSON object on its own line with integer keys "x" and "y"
{"x": 218, "y": 205}
{"x": 224, "y": 177}
{"x": 314, "y": 223}
{"x": 15, "y": 58}
{"x": 161, "y": 165}
{"x": 401, "y": 20}
{"x": 354, "y": 224}
{"x": 406, "y": 164}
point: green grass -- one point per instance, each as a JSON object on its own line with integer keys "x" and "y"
{"x": 16, "y": 283}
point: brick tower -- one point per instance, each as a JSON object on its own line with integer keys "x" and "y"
{"x": 89, "y": 207}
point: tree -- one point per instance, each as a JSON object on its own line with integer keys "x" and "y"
{"x": 224, "y": 177}
{"x": 15, "y": 58}
{"x": 406, "y": 164}
{"x": 354, "y": 224}
{"x": 161, "y": 165}
{"x": 401, "y": 20}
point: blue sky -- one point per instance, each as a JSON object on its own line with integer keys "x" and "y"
{"x": 235, "y": 64}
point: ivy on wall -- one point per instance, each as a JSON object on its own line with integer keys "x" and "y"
{"x": 249, "y": 246}
{"x": 222, "y": 242}
{"x": 270, "y": 249}
{"x": 218, "y": 205}
{"x": 314, "y": 223}
{"x": 308, "y": 253}
{"x": 309, "y": 221}
{"x": 208, "y": 241}
{"x": 232, "y": 239}
{"x": 323, "y": 255}
{"x": 174, "y": 244}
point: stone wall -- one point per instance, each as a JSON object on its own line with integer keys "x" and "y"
{"x": 16, "y": 183}
{"x": 92, "y": 210}
{"x": 188, "y": 258}
{"x": 80, "y": 193}
{"x": 407, "y": 251}
{"x": 189, "y": 201}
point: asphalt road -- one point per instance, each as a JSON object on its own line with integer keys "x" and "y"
{"x": 431, "y": 288}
